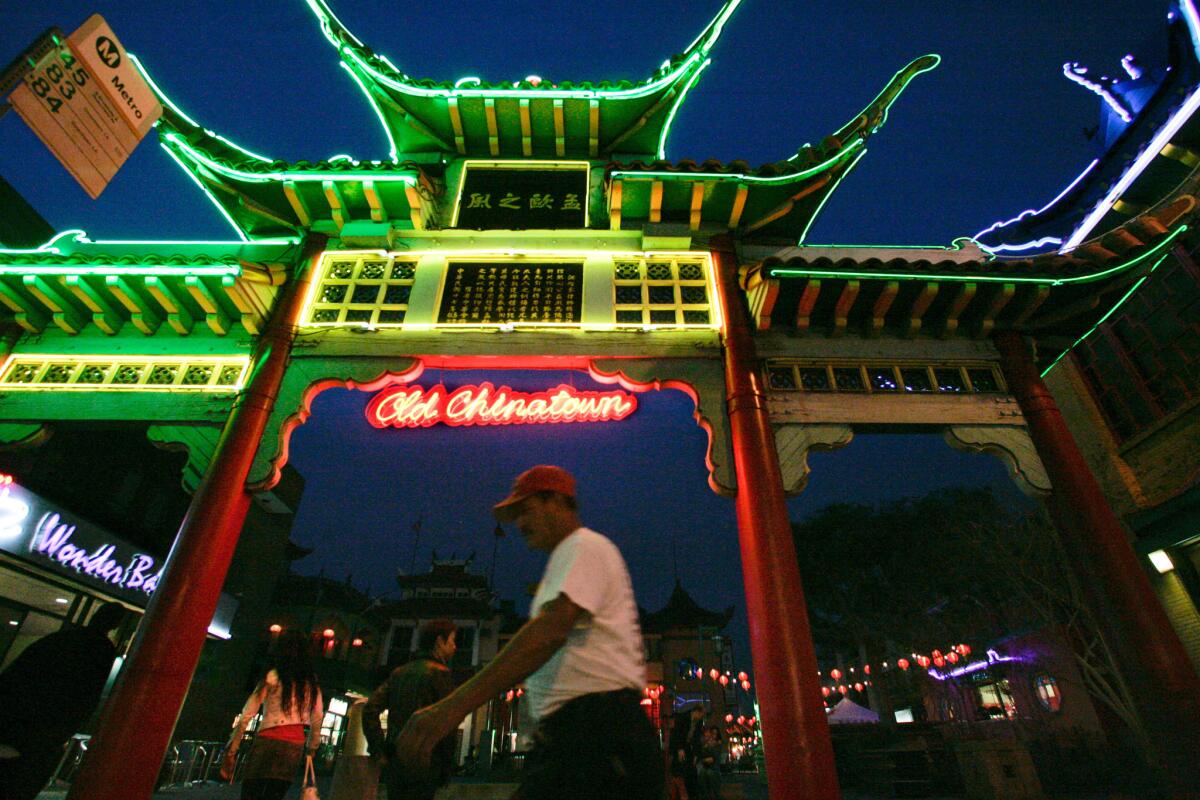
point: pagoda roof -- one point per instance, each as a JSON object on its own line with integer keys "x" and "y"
{"x": 264, "y": 197}
{"x": 778, "y": 200}
{"x": 71, "y": 282}
{"x": 1150, "y": 133}
{"x": 524, "y": 118}
{"x": 962, "y": 291}
{"x": 681, "y": 611}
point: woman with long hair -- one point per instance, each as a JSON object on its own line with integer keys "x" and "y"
{"x": 290, "y": 698}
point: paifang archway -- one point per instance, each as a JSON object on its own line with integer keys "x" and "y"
{"x": 534, "y": 226}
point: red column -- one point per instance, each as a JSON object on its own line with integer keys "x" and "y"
{"x": 1161, "y": 677}
{"x": 799, "y": 753}
{"x": 126, "y": 752}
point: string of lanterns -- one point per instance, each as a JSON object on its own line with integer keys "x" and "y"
{"x": 936, "y": 658}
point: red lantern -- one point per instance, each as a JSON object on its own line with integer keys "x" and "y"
{"x": 741, "y": 720}
{"x": 923, "y": 661}
{"x": 713, "y": 673}
{"x": 824, "y": 691}
{"x": 699, "y": 672}
{"x": 752, "y": 722}
{"x": 745, "y": 686}
{"x": 520, "y": 692}
{"x": 724, "y": 680}
{"x": 938, "y": 661}
{"x": 952, "y": 657}
{"x": 356, "y": 643}
{"x": 328, "y": 633}
{"x": 965, "y": 650}
{"x": 276, "y": 628}
{"x": 902, "y": 663}
{"x": 835, "y": 673}
{"x": 729, "y": 717}
{"x": 866, "y": 669}
{"x": 858, "y": 687}
{"x": 843, "y": 689}
{"x": 508, "y": 696}
{"x": 743, "y": 676}
{"x": 936, "y": 654}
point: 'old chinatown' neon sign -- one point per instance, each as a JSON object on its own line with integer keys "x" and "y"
{"x": 416, "y": 407}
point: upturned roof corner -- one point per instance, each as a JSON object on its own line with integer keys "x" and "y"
{"x": 524, "y": 118}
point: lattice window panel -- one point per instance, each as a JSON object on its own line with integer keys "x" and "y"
{"x": 883, "y": 378}
{"x": 198, "y": 374}
{"x": 362, "y": 290}
{"x": 662, "y": 292}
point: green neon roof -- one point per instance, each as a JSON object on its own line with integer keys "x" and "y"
{"x": 419, "y": 116}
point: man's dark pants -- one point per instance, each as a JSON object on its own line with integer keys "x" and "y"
{"x": 596, "y": 747}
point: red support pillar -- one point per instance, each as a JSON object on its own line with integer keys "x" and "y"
{"x": 126, "y": 752}
{"x": 799, "y": 752}
{"x": 1161, "y": 677}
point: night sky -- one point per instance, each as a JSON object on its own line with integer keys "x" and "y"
{"x": 994, "y": 130}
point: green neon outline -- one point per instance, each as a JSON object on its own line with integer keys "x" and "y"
{"x": 706, "y": 39}
{"x": 273, "y": 177}
{"x": 79, "y": 236}
{"x": 787, "y": 272}
{"x": 937, "y": 60}
{"x": 163, "y": 97}
{"x": 687, "y": 86}
{"x": 738, "y": 177}
{"x": 821, "y": 205}
{"x": 60, "y": 269}
{"x": 224, "y": 213}
{"x": 387, "y": 129}
{"x": 1104, "y": 319}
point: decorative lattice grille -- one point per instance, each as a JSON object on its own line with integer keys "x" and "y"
{"x": 144, "y": 373}
{"x": 662, "y": 292}
{"x": 876, "y": 378}
{"x": 367, "y": 289}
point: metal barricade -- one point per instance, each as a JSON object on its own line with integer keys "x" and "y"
{"x": 191, "y": 762}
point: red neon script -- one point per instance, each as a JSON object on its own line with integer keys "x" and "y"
{"x": 417, "y": 407}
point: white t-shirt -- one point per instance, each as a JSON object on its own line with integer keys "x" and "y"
{"x": 603, "y": 652}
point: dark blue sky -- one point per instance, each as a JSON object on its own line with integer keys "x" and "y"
{"x": 994, "y": 130}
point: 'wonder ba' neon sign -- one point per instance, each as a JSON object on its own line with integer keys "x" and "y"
{"x": 416, "y": 407}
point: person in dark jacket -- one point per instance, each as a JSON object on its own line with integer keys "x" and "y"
{"x": 47, "y": 693}
{"x": 419, "y": 683}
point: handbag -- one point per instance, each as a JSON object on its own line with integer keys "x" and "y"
{"x": 309, "y": 787}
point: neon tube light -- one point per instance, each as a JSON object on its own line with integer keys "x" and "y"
{"x": 687, "y": 87}
{"x": 1129, "y": 62}
{"x": 416, "y": 407}
{"x": 821, "y": 205}
{"x": 791, "y": 272}
{"x": 394, "y": 152}
{"x": 1152, "y": 149}
{"x": 1103, "y": 319}
{"x": 207, "y": 192}
{"x": 1100, "y": 86}
{"x": 739, "y": 177}
{"x": 698, "y": 49}
{"x": 269, "y": 177}
{"x": 975, "y": 666}
{"x": 1031, "y": 213}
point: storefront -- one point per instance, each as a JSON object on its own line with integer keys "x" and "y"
{"x": 56, "y": 568}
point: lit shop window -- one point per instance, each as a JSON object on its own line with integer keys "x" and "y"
{"x": 995, "y": 700}
{"x": 1047, "y": 692}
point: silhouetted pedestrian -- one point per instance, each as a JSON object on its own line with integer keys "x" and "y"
{"x": 47, "y": 694}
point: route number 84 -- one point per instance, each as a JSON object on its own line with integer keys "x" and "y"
{"x": 53, "y": 77}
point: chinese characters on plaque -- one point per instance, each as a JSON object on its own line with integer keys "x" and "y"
{"x": 482, "y": 293}
{"x": 523, "y": 199}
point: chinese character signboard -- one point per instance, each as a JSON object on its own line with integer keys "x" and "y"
{"x": 512, "y": 198}
{"x": 494, "y": 293}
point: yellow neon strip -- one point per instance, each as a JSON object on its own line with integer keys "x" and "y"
{"x": 218, "y": 362}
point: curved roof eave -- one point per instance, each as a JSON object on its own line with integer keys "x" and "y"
{"x": 380, "y": 70}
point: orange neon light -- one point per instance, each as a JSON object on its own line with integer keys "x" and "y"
{"x": 416, "y": 407}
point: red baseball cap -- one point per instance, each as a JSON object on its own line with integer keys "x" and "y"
{"x": 542, "y": 478}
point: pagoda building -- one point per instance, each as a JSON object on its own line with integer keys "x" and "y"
{"x": 544, "y": 210}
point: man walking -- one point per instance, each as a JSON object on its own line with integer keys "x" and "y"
{"x": 422, "y": 681}
{"x": 580, "y": 656}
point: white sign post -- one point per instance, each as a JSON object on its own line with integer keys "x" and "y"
{"x": 87, "y": 103}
